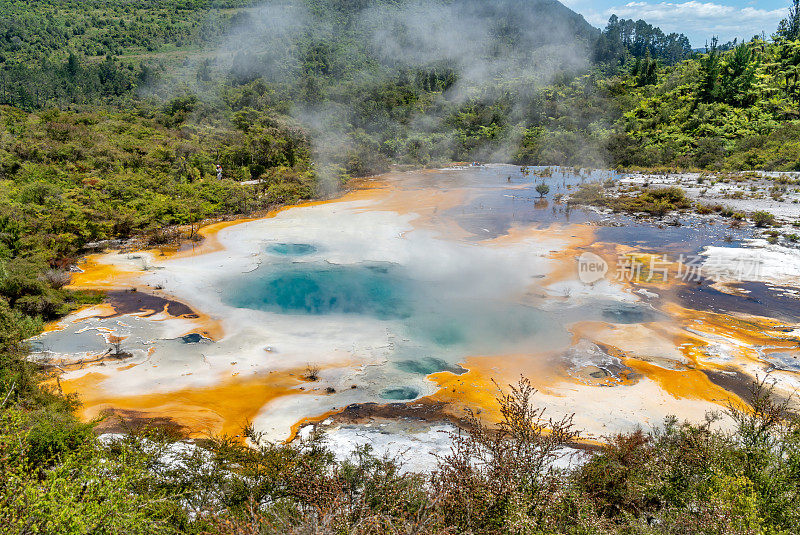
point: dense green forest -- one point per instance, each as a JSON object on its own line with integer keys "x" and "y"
{"x": 627, "y": 96}
{"x": 115, "y": 114}
{"x": 57, "y": 52}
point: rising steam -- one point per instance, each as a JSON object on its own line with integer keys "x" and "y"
{"x": 492, "y": 48}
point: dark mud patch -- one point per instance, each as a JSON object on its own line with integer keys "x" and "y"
{"x": 733, "y": 381}
{"x": 754, "y": 298}
{"x": 422, "y": 410}
{"x": 134, "y": 302}
{"x": 131, "y": 422}
{"x": 745, "y": 387}
{"x": 194, "y": 338}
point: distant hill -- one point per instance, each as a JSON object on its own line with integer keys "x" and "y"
{"x": 519, "y": 11}
{"x": 116, "y": 47}
{"x": 514, "y": 24}
{"x": 316, "y": 44}
{"x": 549, "y": 19}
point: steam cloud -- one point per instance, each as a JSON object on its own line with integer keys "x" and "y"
{"x": 494, "y": 47}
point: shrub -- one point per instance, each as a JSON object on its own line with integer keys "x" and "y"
{"x": 56, "y": 278}
{"x": 52, "y": 434}
{"x": 502, "y": 480}
{"x": 542, "y": 189}
{"x": 312, "y": 372}
{"x": 589, "y": 194}
{"x": 763, "y": 219}
{"x": 703, "y": 209}
{"x": 81, "y": 491}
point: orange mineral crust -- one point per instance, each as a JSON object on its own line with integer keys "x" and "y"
{"x": 660, "y": 351}
{"x": 477, "y": 389}
{"x": 102, "y": 272}
{"x": 310, "y": 421}
{"x": 747, "y": 329}
{"x": 224, "y": 408}
{"x": 99, "y": 275}
{"x": 596, "y": 410}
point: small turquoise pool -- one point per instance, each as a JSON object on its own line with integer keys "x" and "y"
{"x": 402, "y": 393}
{"x": 428, "y": 365}
{"x": 292, "y": 249}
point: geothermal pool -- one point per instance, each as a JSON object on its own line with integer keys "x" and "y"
{"x": 415, "y": 296}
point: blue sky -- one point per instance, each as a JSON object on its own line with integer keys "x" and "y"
{"x": 698, "y": 19}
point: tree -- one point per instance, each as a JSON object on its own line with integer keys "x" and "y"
{"x": 72, "y": 65}
{"x": 204, "y": 71}
{"x": 737, "y": 76}
{"x": 645, "y": 71}
{"x": 789, "y": 28}
{"x": 623, "y": 38}
{"x": 709, "y": 74}
{"x": 542, "y": 189}
{"x": 116, "y": 343}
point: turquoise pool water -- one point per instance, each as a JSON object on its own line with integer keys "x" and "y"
{"x": 427, "y": 319}
{"x": 292, "y": 249}
{"x": 436, "y": 307}
{"x": 375, "y": 290}
{"x": 401, "y": 393}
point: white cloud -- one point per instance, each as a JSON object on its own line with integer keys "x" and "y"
{"x": 698, "y": 20}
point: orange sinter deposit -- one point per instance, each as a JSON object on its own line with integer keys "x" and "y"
{"x": 98, "y": 272}
{"x": 222, "y": 409}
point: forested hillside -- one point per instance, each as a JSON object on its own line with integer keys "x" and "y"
{"x": 58, "y": 52}
{"x": 733, "y": 110}
{"x": 399, "y": 81}
{"x": 71, "y": 178}
{"x": 374, "y": 83}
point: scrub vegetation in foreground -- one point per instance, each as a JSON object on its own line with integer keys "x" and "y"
{"x": 738, "y": 472}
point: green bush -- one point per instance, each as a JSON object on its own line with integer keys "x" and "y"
{"x": 79, "y": 491}
{"x": 542, "y": 189}
{"x": 763, "y": 219}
